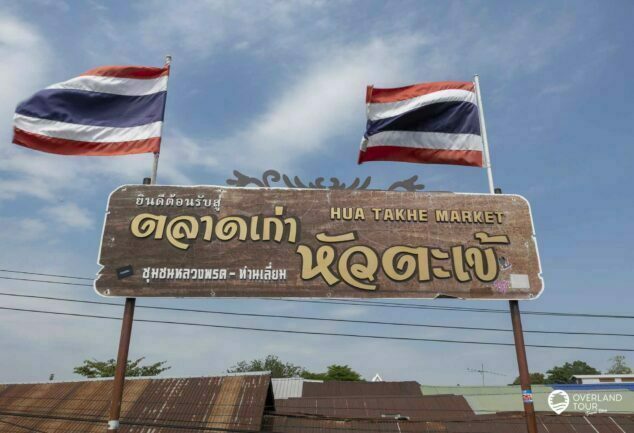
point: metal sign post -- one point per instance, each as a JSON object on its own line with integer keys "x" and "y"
{"x": 522, "y": 364}
{"x": 516, "y": 319}
{"x": 122, "y": 362}
{"x": 124, "y": 348}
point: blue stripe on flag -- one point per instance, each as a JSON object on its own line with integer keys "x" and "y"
{"x": 448, "y": 117}
{"x": 94, "y": 108}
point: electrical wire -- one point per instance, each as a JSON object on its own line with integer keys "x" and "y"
{"x": 45, "y": 281}
{"x": 365, "y": 303}
{"x": 383, "y": 304}
{"x": 321, "y": 319}
{"x": 507, "y": 394}
{"x": 498, "y": 420}
{"x": 46, "y": 275}
{"x": 321, "y": 403}
{"x": 330, "y": 334}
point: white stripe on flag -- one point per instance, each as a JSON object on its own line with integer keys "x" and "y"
{"x": 98, "y": 134}
{"x": 426, "y": 140}
{"x": 389, "y": 109}
{"x": 114, "y": 85}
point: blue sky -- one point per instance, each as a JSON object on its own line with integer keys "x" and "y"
{"x": 258, "y": 85}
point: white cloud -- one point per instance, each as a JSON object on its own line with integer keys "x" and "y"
{"x": 25, "y": 61}
{"x": 70, "y": 215}
{"x": 205, "y": 26}
{"x": 59, "y": 5}
{"x": 21, "y": 229}
{"x": 323, "y": 102}
{"x": 180, "y": 154}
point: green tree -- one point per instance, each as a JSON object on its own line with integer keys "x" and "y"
{"x": 271, "y": 363}
{"x": 564, "y": 373}
{"x": 335, "y": 372}
{"x": 536, "y": 379}
{"x": 619, "y": 366}
{"x": 93, "y": 368}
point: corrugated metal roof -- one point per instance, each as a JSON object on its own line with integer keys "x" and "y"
{"x": 283, "y": 424}
{"x": 284, "y": 388}
{"x": 438, "y": 407}
{"x": 367, "y": 400}
{"x": 502, "y": 423}
{"x": 235, "y": 402}
{"x": 351, "y": 389}
{"x": 512, "y": 423}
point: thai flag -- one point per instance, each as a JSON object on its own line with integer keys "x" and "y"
{"x": 432, "y": 123}
{"x": 110, "y": 110}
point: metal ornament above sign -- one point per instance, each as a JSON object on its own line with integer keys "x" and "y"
{"x": 206, "y": 241}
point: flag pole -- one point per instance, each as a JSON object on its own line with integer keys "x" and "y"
{"x": 154, "y": 167}
{"x": 168, "y": 61}
{"x": 516, "y": 318}
{"x": 483, "y": 131}
{"x": 126, "y": 325}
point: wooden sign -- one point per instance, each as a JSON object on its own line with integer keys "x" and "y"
{"x": 207, "y": 241}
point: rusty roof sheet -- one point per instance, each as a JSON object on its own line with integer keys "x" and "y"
{"x": 437, "y": 407}
{"x": 289, "y": 424}
{"x": 506, "y": 423}
{"x": 351, "y": 389}
{"x": 149, "y": 405}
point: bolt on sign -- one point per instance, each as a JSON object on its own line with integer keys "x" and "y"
{"x": 205, "y": 241}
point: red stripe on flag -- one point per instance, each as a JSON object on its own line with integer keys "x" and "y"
{"x": 419, "y": 155}
{"x": 62, "y": 146}
{"x": 374, "y": 95}
{"x": 138, "y": 72}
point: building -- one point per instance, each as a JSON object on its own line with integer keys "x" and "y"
{"x": 245, "y": 403}
{"x": 584, "y": 379}
{"x": 494, "y": 399}
{"x": 406, "y": 407}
